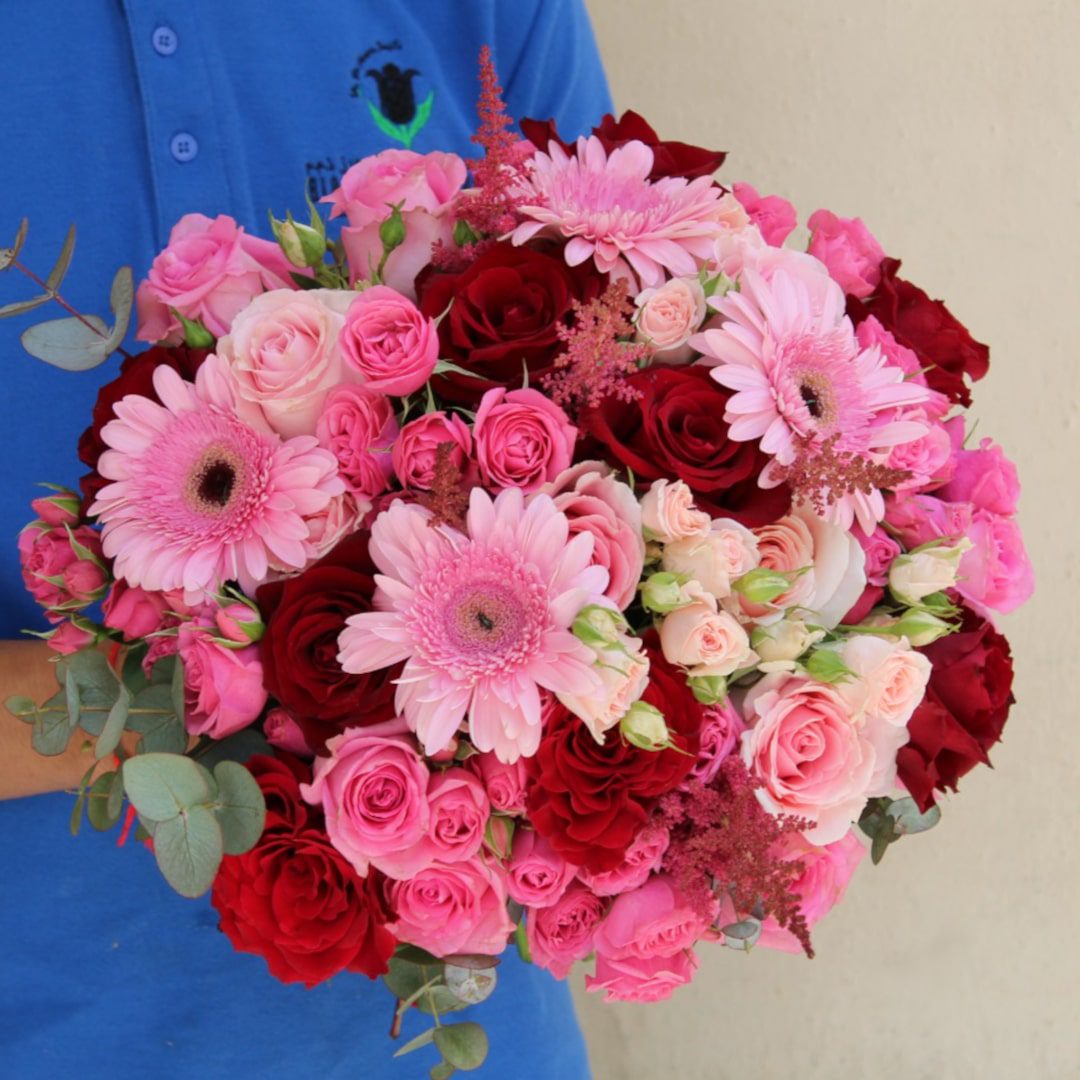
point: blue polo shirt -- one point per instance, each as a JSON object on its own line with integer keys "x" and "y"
{"x": 121, "y": 116}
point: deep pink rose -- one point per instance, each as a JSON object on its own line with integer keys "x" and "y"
{"x": 820, "y": 887}
{"x": 388, "y": 343}
{"x": 416, "y": 449}
{"x": 284, "y": 733}
{"x": 537, "y": 875}
{"x": 134, "y": 611}
{"x": 69, "y": 638}
{"x": 60, "y": 508}
{"x": 562, "y": 934}
{"x": 594, "y": 501}
{"x": 523, "y": 439}
{"x": 848, "y": 248}
{"x": 643, "y": 980}
{"x": 358, "y": 427}
{"x": 642, "y": 857}
{"x": 918, "y": 519}
{"x": 720, "y": 733}
{"x": 209, "y": 272}
{"x": 46, "y": 552}
{"x": 452, "y": 908}
{"x": 505, "y": 784}
{"x": 880, "y": 549}
{"x": 652, "y": 920}
{"x": 986, "y": 478}
{"x": 927, "y": 459}
{"x": 996, "y": 574}
{"x": 223, "y": 687}
{"x": 373, "y": 791}
{"x": 774, "y": 216}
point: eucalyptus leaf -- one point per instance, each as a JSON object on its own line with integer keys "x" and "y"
{"x": 464, "y": 1045}
{"x": 416, "y": 1043}
{"x": 413, "y": 954}
{"x": 77, "y": 810}
{"x": 52, "y": 731}
{"x": 97, "y": 682}
{"x": 239, "y": 747}
{"x": 115, "y": 802}
{"x": 153, "y": 717}
{"x": 438, "y": 1001}
{"x": 121, "y": 300}
{"x": 176, "y": 689}
{"x": 115, "y": 722}
{"x": 160, "y": 786}
{"x": 20, "y": 307}
{"x": 469, "y": 984}
{"x": 71, "y": 694}
{"x": 240, "y": 807}
{"x": 21, "y": 706}
{"x": 188, "y": 848}
{"x": 69, "y": 343}
{"x": 908, "y": 818}
{"x": 101, "y": 809}
{"x": 9, "y": 255}
{"x": 443, "y": 1071}
{"x": 63, "y": 261}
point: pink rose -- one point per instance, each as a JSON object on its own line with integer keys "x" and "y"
{"x": 668, "y": 316}
{"x": 373, "y": 791}
{"x": 284, "y": 733}
{"x": 209, "y": 272}
{"x": 642, "y": 980}
{"x": 423, "y": 231}
{"x": 847, "y": 247}
{"x": 918, "y": 519}
{"x": 451, "y": 908}
{"x": 774, "y": 216}
{"x": 705, "y": 642}
{"x": 505, "y": 784}
{"x": 283, "y": 355}
{"x": 48, "y": 553}
{"x": 986, "y": 478}
{"x": 720, "y": 730}
{"x": 996, "y": 572}
{"x": 880, "y": 550}
{"x": 928, "y": 458}
{"x": 809, "y": 752}
{"x": 388, "y": 343}
{"x": 595, "y": 502}
{"x": 870, "y": 332}
{"x": 416, "y": 450}
{"x": 132, "y": 610}
{"x": 523, "y": 439}
{"x": 223, "y": 687}
{"x": 341, "y": 517}
{"x": 642, "y": 858}
{"x": 668, "y": 513}
{"x": 536, "y": 875}
{"x": 561, "y": 934}
{"x": 60, "y": 508}
{"x": 358, "y": 427}
{"x": 652, "y": 920}
{"x": 820, "y": 887}
{"x": 622, "y": 668}
{"x": 69, "y": 638}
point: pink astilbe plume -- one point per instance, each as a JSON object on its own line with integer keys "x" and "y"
{"x": 595, "y": 363}
{"x": 721, "y": 833}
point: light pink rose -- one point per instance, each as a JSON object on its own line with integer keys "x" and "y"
{"x": 283, "y": 355}
{"x": 642, "y": 857}
{"x": 594, "y": 501}
{"x": 505, "y": 784}
{"x": 668, "y": 513}
{"x": 714, "y": 559}
{"x": 773, "y": 215}
{"x": 928, "y": 458}
{"x": 423, "y": 231}
{"x": 820, "y": 887}
{"x": 340, "y": 517}
{"x": 880, "y": 550}
{"x": 652, "y": 920}
{"x": 536, "y": 875}
{"x": 562, "y": 934}
{"x": 358, "y": 426}
{"x": 705, "y": 642}
{"x": 46, "y": 552}
{"x": 668, "y": 316}
{"x": 451, "y": 908}
{"x": 223, "y": 687}
{"x": 623, "y": 671}
{"x": 388, "y": 343}
{"x": 209, "y": 272}
{"x": 848, "y": 248}
{"x": 996, "y": 573}
{"x": 642, "y": 980}
{"x": 373, "y": 791}
{"x": 721, "y": 727}
{"x": 986, "y": 478}
{"x": 284, "y": 733}
{"x": 69, "y": 638}
{"x": 416, "y": 449}
{"x": 132, "y": 610}
{"x": 523, "y": 439}
{"x": 809, "y": 751}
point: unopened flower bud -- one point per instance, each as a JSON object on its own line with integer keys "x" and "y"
{"x": 708, "y": 689}
{"x": 784, "y": 640}
{"x": 598, "y": 626}
{"x": 921, "y": 627}
{"x": 392, "y": 231}
{"x": 762, "y": 585}
{"x": 643, "y": 726}
{"x": 924, "y": 571}
{"x": 303, "y": 246}
{"x": 663, "y": 592}
{"x": 239, "y": 623}
{"x": 60, "y": 508}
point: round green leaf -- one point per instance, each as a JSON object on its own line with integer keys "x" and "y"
{"x": 161, "y": 785}
{"x": 188, "y": 849}
{"x": 464, "y": 1045}
{"x": 240, "y": 807}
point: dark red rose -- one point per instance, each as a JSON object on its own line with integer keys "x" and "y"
{"x": 304, "y": 616}
{"x": 136, "y": 377}
{"x": 963, "y": 713}
{"x": 505, "y": 309}
{"x": 669, "y": 158}
{"x": 293, "y": 899}
{"x": 927, "y": 327}
{"x": 677, "y": 429}
{"x": 590, "y": 800}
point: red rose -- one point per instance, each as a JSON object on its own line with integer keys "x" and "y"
{"x": 927, "y": 327}
{"x": 964, "y": 711}
{"x": 504, "y": 311}
{"x": 677, "y": 428}
{"x": 292, "y": 899}
{"x": 669, "y": 158}
{"x": 304, "y": 616}
{"x": 590, "y": 800}
{"x": 136, "y": 377}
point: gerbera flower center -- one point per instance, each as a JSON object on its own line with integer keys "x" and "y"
{"x": 483, "y": 618}
{"x": 213, "y": 479}
{"x": 816, "y": 393}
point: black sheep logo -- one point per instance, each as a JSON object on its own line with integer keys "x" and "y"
{"x": 397, "y": 113}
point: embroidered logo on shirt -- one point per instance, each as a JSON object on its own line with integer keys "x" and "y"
{"x": 390, "y": 94}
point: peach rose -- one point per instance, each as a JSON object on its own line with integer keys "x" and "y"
{"x": 714, "y": 559}
{"x": 705, "y": 642}
{"x": 623, "y": 668}
{"x": 668, "y": 316}
{"x": 668, "y": 513}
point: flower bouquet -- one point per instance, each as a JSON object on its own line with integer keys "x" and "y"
{"x": 561, "y": 562}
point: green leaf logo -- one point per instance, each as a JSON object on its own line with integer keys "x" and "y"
{"x": 403, "y": 133}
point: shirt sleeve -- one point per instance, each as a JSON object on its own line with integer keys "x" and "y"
{"x": 557, "y": 73}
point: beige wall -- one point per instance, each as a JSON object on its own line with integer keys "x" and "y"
{"x": 952, "y": 127}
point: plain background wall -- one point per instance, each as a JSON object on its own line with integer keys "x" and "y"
{"x": 951, "y": 127}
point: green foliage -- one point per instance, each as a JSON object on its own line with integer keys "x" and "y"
{"x": 9, "y": 255}
{"x": 105, "y": 800}
{"x": 188, "y": 849}
{"x": 885, "y": 820}
{"x": 162, "y": 785}
{"x": 463, "y": 1045}
{"x": 240, "y": 807}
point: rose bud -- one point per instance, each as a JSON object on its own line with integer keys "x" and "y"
{"x": 924, "y": 571}
{"x": 240, "y": 623}
{"x": 62, "y": 508}
{"x": 643, "y": 726}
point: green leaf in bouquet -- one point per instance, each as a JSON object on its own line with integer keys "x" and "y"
{"x": 151, "y": 714}
{"x": 97, "y": 682}
{"x": 909, "y": 820}
{"x": 416, "y": 1043}
{"x": 405, "y": 978}
{"x": 240, "y": 747}
{"x": 131, "y": 671}
{"x": 161, "y": 786}
{"x": 521, "y": 940}
{"x": 9, "y": 255}
{"x": 413, "y": 954}
{"x": 71, "y": 696}
{"x": 188, "y": 848}
{"x": 63, "y": 261}
{"x": 121, "y": 300}
{"x": 21, "y": 706}
{"x": 443, "y": 1071}
{"x": 52, "y": 727}
{"x": 162, "y": 671}
{"x": 438, "y": 1001}
{"x": 114, "y": 725}
{"x": 74, "y": 344}
{"x": 470, "y": 984}
{"x": 176, "y": 689}
{"x": 20, "y": 307}
{"x": 102, "y": 805}
{"x": 75, "y": 823}
{"x": 464, "y": 1045}
{"x": 240, "y": 807}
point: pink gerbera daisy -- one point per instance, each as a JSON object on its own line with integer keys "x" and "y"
{"x": 482, "y": 618}
{"x": 199, "y": 496}
{"x": 610, "y": 211}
